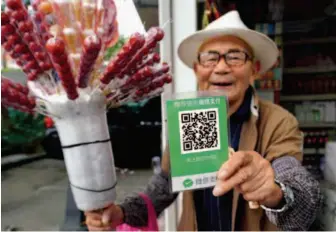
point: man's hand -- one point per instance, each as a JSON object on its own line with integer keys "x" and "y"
{"x": 104, "y": 220}
{"x": 252, "y": 176}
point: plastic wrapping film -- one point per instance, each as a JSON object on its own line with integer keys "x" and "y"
{"x": 84, "y": 135}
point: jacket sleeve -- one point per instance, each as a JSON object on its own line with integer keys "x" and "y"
{"x": 134, "y": 207}
{"x": 307, "y": 199}
{"x": 301, "y": 213}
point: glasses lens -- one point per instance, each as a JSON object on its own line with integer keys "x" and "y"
{"x": 235, "y": 58}
{"x": 208, "y": 59}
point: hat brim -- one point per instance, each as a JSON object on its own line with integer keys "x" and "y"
{"x": 265, "y": 50}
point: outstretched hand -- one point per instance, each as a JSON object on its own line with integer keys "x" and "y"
{"x": 252, "y": 175}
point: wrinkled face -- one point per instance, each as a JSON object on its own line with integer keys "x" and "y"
{"x": 225, "y": 64}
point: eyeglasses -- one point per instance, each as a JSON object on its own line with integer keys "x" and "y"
{"x": 232, "y": 58}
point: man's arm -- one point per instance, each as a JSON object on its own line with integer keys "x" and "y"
{"x": 301, "y": 212}
{"x": 134, "y": 207}
{"x": 257, "y": 178}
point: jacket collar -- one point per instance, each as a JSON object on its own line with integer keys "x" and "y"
{"x": 243, "y": 112}
{"x": 248, "y": 141}
{"x": 255, "y": 104}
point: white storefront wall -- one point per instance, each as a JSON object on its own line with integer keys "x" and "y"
{"x": 183, "y": 18}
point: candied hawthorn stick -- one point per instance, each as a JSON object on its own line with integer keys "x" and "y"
{"x": 142, "y": 96}
{"x": 138, "y": 93}
{"x": 12, "y": 42}
{"x": 91, "y": 48}
{"x": 157, "y": 83}
{"x": 14, "y": 98}
{"x": 135, "y": 42}
{"x": 88, "y": 13}
{"x": 153, "y": 89}
{"x": 44, "y": 19}
{"x": 141, "y": 93}
{"x": 161, "y": 80}
{"x": 5, "y": 19}
{"x": 144, "y": 87}
{"x": 46, "y": 27}
{"x": 25, "y": 26}
{"x": 145, "y": 76}
{"x": 77, "y": 9}
{"x": 15, "y": 4}
{"x": 106, "y": 26}
{"x": 57, "y": 51}
{"x": 70, "y": 30}
{"x": 6, "y": 103}
{"x": 148, "y": 73}
{"x": 23, "y": 57}
{"x": 150, "y": 60}
{"x": 154, "y": 35}
{"x": 65, "y": 13}
{"x": 17, "y": 86}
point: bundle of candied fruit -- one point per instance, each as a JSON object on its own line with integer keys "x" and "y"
{"x": 60, "y": 45}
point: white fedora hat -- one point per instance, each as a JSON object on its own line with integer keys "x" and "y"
{"x": 264, "y": 49}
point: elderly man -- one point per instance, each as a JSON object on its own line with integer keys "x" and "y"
{"x": 266, "y": 168}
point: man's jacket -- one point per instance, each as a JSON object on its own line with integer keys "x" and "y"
{"x": 272, "y": 132}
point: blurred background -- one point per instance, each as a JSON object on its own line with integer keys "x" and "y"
{"x": 34, "y": 183}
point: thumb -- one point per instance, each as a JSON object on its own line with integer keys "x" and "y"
{"x": 106, "y": 218}
{"x": 107, "y": 215}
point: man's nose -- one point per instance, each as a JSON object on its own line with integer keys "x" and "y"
{"x": 222, "y": 67}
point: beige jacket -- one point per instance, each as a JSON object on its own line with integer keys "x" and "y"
{"x": 272, "y": 132}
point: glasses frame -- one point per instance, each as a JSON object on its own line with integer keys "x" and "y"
{"x": 224, "y": 56}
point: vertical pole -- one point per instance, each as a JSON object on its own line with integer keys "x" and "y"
{"x": 184, "y": 22}
{"x": 166, "y": 50}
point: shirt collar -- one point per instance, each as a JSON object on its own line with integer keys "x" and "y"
{"x": 245, "y": 109}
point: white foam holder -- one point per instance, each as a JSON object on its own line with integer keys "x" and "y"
{"x": 83, "y": 131}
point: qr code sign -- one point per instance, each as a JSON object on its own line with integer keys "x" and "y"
{"x": 199, "y": 130}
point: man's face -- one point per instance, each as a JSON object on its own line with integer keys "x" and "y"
{"x": 232, "y": 74}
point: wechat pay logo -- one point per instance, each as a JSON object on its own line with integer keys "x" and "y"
{"x": 188, "y": 183}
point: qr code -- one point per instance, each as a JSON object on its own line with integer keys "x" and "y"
{"x": 199, "y": 130}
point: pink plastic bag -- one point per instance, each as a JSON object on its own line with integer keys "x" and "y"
{"x": 152, "y": 218}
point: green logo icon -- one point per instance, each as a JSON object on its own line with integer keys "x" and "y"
{"x": 188, "y": 183}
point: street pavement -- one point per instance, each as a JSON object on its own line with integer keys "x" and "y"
{"x": 33, "y": 196}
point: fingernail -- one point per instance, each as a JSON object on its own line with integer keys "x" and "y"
{"x": 222, "y": 174}
{"x": 216, "y": 191}
{"x": 105, "y": 219}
